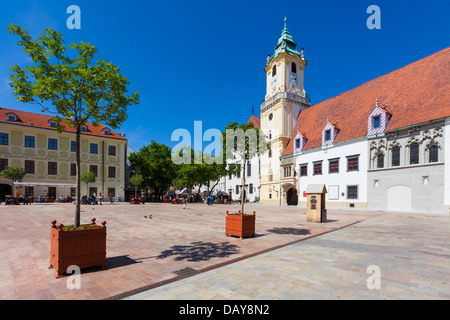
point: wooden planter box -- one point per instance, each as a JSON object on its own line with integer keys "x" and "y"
{"x": 82, "y": 248}
{"x": 240, "y": 225}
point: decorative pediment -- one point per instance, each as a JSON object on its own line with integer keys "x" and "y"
{"x": 394, "y": 144}
{"x": 378, "y": 146}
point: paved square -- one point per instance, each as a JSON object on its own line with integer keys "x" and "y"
{"x": 145, "y": 253}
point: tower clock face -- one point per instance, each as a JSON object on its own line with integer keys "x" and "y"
{"x": 293, "y": 79}
{"x": 273, "y": 82}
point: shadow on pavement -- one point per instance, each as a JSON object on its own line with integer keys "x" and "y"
{"x": 200, "y": 251}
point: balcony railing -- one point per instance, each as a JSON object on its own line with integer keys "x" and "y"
{"x": 305, "y": 100}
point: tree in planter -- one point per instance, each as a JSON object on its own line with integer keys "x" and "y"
{"x": 136, "y": 181}
{"x": 14, "y": 174}
{"x": 243, "y": 142}
{"x": 87, "y": 177}
{"x": 79, "y": 89}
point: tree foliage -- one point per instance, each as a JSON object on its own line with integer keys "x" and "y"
{"x": 76, "y": 88}
{"x": 155, "y": 164}
{"x": 14, "y": 174}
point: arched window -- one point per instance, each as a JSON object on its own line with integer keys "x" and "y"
{"x": 274, "y": 70}
{"x": 414, "y": 153}
{"x": 396, "y": 156}
{"x": 293, "y": 67}
{"x": 433, "y": 155}
{"x": 380, "y": 160}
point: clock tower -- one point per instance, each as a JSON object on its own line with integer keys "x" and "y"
{"x": 285, "y": 98}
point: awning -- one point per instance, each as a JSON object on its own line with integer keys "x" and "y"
{"x": 44, "y": 184}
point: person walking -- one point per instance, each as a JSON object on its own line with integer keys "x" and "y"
{"x": 101, "y": 198}
{"x": 111, "y": 198}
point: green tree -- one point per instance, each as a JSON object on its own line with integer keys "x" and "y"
{"x": 14, "y": 174}
{"x": 242, "y": 142}
{"x": 155, "y": 164}
{"x": 78, "y": 88}
{"x": 87, "y": 177}
{"x": 136, "y": 180}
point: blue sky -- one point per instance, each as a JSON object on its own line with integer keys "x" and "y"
{"x": 203, "y": 60}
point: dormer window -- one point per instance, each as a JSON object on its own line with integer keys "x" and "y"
{"x": 106, "y": 132}
{"x": 11, "y": 117}
{"x": 299, "y": 142}
{"x": 378, "y": 120}
{"x": 83, "y": 128}
{"x": 52, "y": 124}
{"x": 329, "y": 134}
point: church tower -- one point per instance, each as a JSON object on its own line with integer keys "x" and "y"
{"x": 285, "y": 98}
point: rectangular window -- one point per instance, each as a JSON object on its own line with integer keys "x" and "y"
{"x": 333, "y": 166}
{"x": 73, "y": 146}
{"x": 303, "y": 170}
{"x": 3, "y": 164}
{"x": 93, "y": 169}
{"x": 287, "y": 172}
{"x": 4, "y": 139}
{"x": 353, "y": 163}
{"x": 52, "y": 168}
{"x": 29, "y": 191}
{"x": 250, "y": 188}
{"x": 328, "y": 135}
{"x": 297, "y": 143}
{"x": 29, "y": 166}
{"x": 376, "y": 122}
{"x": 53, "y": 144}
{"x": 29, "y": 141}
{"x": 73, "y": 169}
{"x": 249, "y": 169}
{"x": 317, "y": 168}
{"x": 352, "y": 192}
{"x": 237, "y": 189}
{"x": 112, "y": 150}
{"x": 111, "y": 172}
{"x": 94, "y": 148}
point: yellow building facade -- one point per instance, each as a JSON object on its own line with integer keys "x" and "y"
{"x": 285, "y": 98}
{"x": 30, "y": 141}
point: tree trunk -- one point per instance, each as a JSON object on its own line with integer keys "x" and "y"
{"x": 243, "y": 187}
{"x": 78, "y": 178}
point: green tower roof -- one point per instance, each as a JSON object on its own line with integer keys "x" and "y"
{"x": 286, "y": 43}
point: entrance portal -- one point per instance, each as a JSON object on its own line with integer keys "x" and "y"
{"x": 292, "y": 197}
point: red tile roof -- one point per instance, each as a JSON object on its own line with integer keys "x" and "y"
{"x": 416, "y": 93}
{"x": 256, "y": 121}
{"x": 38, "y": 120}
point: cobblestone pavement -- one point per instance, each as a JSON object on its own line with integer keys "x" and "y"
{"x": 160, "y": 251}
{"x": 410, "y": 253}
